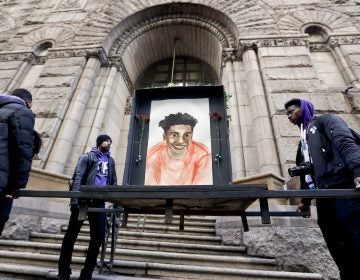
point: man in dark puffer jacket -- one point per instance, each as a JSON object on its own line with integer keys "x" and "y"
{"x": 16, "y": 147}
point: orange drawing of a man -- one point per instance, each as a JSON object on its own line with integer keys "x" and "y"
{"x": 178, "y": 160}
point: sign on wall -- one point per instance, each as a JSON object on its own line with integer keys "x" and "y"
{"x": 178, "y": 136}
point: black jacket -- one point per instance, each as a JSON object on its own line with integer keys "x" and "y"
{"x": 334, "y": 152}
{"x": 16, "y": 143}
{"x": 85, "y": 172}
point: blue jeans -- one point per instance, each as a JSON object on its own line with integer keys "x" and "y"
{"x": 5, "y": 209}
{"x": 97, "y": 234}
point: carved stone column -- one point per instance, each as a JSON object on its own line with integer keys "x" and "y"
{"x": 264, "y": 138}
{"x": 102, "y": 108}
{"x": 21, "y": 73}
{"x": 237, "y": 159}
{"x": 69, "y": 128}
{"x": 340, "y": 58}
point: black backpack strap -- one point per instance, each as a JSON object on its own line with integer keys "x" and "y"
{"x": 91, "y": 163}
{"x": 356, "y": 136}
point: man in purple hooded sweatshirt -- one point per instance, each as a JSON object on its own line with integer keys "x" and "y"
{"x": 333, "y": 151}
{"x": 96, "y": 167}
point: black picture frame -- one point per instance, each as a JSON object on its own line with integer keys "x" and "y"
{"x": 135, "y": 167}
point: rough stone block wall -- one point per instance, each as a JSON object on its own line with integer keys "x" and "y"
{"x": 8, "y": 70}
{"x": 52, "y": 95}
{"x": 352, "y": 54}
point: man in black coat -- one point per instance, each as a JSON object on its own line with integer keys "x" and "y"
{"x": 96, "y": 167}
{"x": 333, "y": 151}
{"x": 16, "y": 147}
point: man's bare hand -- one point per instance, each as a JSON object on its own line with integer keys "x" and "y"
{"x": 304, "y": 208}
{"x": 357, "y": 183}
{"x": 10, "y": 196}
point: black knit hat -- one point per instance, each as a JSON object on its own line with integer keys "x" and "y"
{"x": 101, "y": 138}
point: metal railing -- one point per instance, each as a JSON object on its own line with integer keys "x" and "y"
{"x": 116, "y": 217}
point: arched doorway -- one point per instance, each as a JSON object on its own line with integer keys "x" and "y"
{"x": 150, "y": 36}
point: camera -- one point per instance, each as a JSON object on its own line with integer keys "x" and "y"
{"x": 303, "y": 169}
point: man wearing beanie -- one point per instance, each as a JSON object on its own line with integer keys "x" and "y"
{"x": 96, "y": 167}
{"x": 332, "y": 153}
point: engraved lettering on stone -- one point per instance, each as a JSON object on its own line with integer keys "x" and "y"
{"x": 70, "y": 5}
{"x": 336, "y": 41}
{"x": 318, "y": 47}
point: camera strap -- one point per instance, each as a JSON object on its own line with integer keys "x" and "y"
{"x": 306, "y": 155}
{"x": 304, "y": 145}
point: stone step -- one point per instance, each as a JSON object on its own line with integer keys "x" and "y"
{"x": 192, "y": 224}
{"x": 174, "y": 237}
{"x": 184, "y": 272}
{"x": 157, "y": 271}
{"x": 12, "y": 249}
{"x": 149, "y": 236}
{"x": 163, "y": 228}
{"x": 192, "y": 221}
{"x": 176, "y": 218}
{"x": 13, "y": 271}
{"x": 163, "y": 246}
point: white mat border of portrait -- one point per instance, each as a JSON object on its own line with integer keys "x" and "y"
{"x": 196, "y": 107}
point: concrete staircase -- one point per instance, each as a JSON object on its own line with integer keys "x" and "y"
{"x": 146, "y": 248}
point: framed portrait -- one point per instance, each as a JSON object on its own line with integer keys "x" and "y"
{"x": 178, "y": 136}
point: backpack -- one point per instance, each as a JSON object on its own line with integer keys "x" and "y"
{"x": 4, "y": 152}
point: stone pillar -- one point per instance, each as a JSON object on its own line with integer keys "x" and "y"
{"x": 349, "y": 76}
{"x": 264, "y": 138}
{"x": 348, "y": 73}
{"x": 245, "y": 122}
{"x": 103, "y": 108}
{"x": 237, "y": 157}
{"x": 21, "y": 73}
{"x": 64, "y": 141}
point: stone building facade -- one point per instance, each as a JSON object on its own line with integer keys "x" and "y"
{"x": 83, "y": 59}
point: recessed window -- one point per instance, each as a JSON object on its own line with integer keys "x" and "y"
{"x": 42, "y": 49}
{"x": 316, "y": 33}
{"x": 187, "y": 71}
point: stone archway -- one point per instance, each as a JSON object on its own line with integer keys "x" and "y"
{"x": 200, "y": 33}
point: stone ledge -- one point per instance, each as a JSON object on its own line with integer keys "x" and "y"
{"x": 273, "y": 182}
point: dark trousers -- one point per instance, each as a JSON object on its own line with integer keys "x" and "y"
{"x": 97, "y": 233}
{"x": 5, "y": 209}
{"x": 339, "y": 221}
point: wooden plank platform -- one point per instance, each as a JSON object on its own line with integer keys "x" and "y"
{"x": 185, "y": 199}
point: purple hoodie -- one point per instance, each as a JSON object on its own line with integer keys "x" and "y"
{"x": 103, "y": 167}
{"x": 307, "y": 112}
{"x": 5, "y": 99}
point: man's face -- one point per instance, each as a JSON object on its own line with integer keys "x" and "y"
{"x": 293, "y": 113}
{"x": 178, "y": 139}
{"x": 105, "y": 145}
